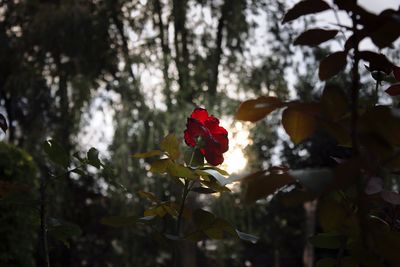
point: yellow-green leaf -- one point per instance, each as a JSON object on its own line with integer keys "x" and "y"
{"x": 256, "y": 109}
{"x": 178, "y": 170}
{"x": 159, "y": 166}
{"x": 298, "y": 125}
{"x": 151, "y": 153}
{"x": 170, "y": 145}
{"x": 148, "y": 195}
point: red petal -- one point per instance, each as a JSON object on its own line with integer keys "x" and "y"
{"x": 393, "y": 90}
{"x": 193, "y": 130}
{"x": 200, "y": 114}
{"x": 396, "y": 73}
{"x": 212, "y": 124}
{"x": 214, "y": 159}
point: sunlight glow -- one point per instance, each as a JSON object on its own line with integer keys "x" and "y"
{"x": 238, "y": 133}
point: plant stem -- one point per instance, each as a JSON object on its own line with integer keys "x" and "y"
{"x": 43, "y": 221}
{"x": 361, "y": 211}
{"x": 376, "y": 92}
{"x": 182, "y": 207}
{"x": 187, "y": 187}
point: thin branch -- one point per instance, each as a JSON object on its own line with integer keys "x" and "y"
{"x": 43, "y": 221}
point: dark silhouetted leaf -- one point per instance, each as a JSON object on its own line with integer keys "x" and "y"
{"x": 256, "y": 109}
{"x": 374, "y": 185}
{"x": 56, "y": 153}
{"x": 63, "y": 231}
{"x": 393, "y": 90}
{"x": 315, "y": 37}
{"x": 326, "y": 262}
{"x": 93, "y": 158}
{"x": 304, "y": 8}
{"x": 334, "y": 102}
{"x": 391, "y": 197}
{"x": 327, "y": 240}
{"x": 296, "y": 197}
{"x": 203, "y": 190}
{"x": 315, "y": 180}
{"x": 388, "y": 32}
{"x": 298, "y": 125}
{"x": 119, "y": 221}
{"x": 3, "y": 123}
{"x": 396, "y": 73}
{"x": 377, "y": 62}
{"x": 383, "y": 122}
{"x": 332, "y": 65}
{"x": 263, "y": 183}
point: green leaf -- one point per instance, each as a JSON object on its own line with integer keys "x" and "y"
{"x": 159, "y": 166}
{"x": 256, "y": 109}
{"x": 119, "y": 221}
{"x": 93, "y": 158}
{"x": 221, "y": 171}
{"x": 247, "y": 237}
{"x": 314, "y": 37}
{"x": 178, "y": 170}
{"x": 263, "y": 183}
{"x": 298, "y": 125}
{"x": 157, "y": 210}
{"x": 56, "y": 153}
{"x": 327, "y": 240}
{"x": 195, "y": 161}
{"x": 326, "y": 262}
{"x": 149, "y": 196}
{"x": 304, "y": 8}
{"x": 217, "y": 175}
{"x": 214, "y": 185}
{"x": 170, "y": 145}
{"x": 149, "y": 154}
{"x": 332, "y": 65}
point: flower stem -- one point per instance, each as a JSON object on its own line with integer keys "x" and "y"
{"x": 186, "y": 189}
{"x": 182, "y": 207}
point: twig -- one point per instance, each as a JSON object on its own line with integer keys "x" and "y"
{"x": 43, "y": 221}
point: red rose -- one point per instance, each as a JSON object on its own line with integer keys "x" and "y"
{"x": 213, "y": 141}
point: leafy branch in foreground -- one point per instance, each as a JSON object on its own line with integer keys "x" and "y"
{"x": 358, "y": 209}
